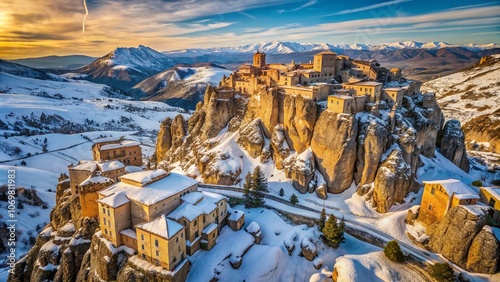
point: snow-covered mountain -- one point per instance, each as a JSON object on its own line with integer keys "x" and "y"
{"x": 278, "y": 47}
{"x": 24, "y": 71}
{"x": 181, "y": 86}
{"x": 472, "y": 96}
{"x": 125, "y": 67}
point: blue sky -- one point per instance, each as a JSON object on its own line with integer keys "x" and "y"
{"x": 56, "y": 27}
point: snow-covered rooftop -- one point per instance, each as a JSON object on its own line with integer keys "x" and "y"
{"x": 107, "y": 139}
{"x": 366, "y": 83}
{"x": 96, "y": 179}
{"x": 129, "y": 232}
{"x": 253, "y": 227}
{"x": 207, "y": 205}
{"x": 111, "y": 165}
{"x": 453, "y": 186}
{"x": 392, "y": 89}
{"x": 343, "y": 97}
{"x": 145, "y": 176}
{"x": 85, "y": 165}
{"x": 122, "y": 144}
{"x": 161, "y": 226}
{"x": 187, "y": 211}
{"x": 210, "y": 228}
{"x": 153, "y": 192}
{"x": 494, "y": 191}
{"x": 131, "y": 168}
{"x": 236, "y": 215}
{"x": 115, "y": 200}
{"x": 193, "y": 197}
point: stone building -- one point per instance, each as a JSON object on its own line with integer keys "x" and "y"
{"x": 372, "y": 89}
{"x": 236, "y": 220}
{"x": 393, "y": 96}
{"x": 341, "y": 104}
{"x": 126, "y": 151}
{"x": 441, "y": 195}
{"x": 491, "y": 197}
{"x": 86, "y": 168}
{"x": 161, "y": 242}
{"x": 87, "y": 192}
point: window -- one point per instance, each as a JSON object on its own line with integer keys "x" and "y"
{"x": 157, "y": 253}
{"x": 433, "y": 190}
{"x": 157, "y": 262}
{"x": 203, "y": 219}
{"x": 142, "y": 246}
{"x": 143, "y": 256}
{"x": 108, "y": 211}
{"x": 179, "y": 248}
{"x": 429, "y": 207}
{"x": 142, "y": 237}
{"x": 156, "y": 243}
{"x": 195, "y": 222}
{"x": 213, "y": 235}
{"x": 105, "y": 231}
{"x": 110, "y": 233}
{"x": 492, "y": 202}
{"x": 104, "y": 221}
{"x": 177, "y": 239}
{"x": 103, "y": 210}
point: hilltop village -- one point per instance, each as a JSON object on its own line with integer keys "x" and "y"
{"x": 350, "y": 86}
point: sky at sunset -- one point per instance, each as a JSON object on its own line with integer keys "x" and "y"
{"x": 33, "y": 28}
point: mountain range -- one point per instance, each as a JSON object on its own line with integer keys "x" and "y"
{"x": 278, "y": 47}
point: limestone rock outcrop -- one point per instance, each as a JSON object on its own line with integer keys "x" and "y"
{"x": 453, "y": 144}
{"x": 299, "y": 117}
{"x": 279, "y": 146}
{"x": 484, "y": 252}
{"x": 171, "y": 134}
{"x": 373, "y": 139}
{"x": 456, "y": 238}
{"x": 300, "y": 168}
{"x": 393, "y": 182}
{"x": 334, "y": 147}
{"x": 251, "y": 138}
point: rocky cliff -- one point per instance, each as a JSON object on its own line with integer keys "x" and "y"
{"x": 314, "y": 146}
{"x": 462, "y": 237}
{"x": 453, "y": 144}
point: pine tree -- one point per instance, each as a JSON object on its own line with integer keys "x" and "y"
{"x": 333, "y": 233}
{"x": 393, "y": 252}
{"x": 258, "y": 187}
{"x": 247, "y": 193}
{"x": 322, "y": 219}
{"x": 294, "y": 199}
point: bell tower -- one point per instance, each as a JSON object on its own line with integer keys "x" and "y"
{"x": 259, "y": 59}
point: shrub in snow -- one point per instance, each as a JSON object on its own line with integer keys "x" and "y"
{"x": 442, "y": 272}
{"x": 393, "y": 252}
{"x": 477, "y": 183}
{"x": 322, "y": 219}
{"x": 282, "y": 192}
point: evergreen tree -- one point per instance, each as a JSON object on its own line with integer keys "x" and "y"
{"x": 258, "y": 187}
{"x": 282, "y": 192}
{"x": 294, "y": 199}
{"x": 393, "y": 252}
{"x": 333, "y": 233}
{"x": 322, "y": 219}
{"x": 247, "y": 193}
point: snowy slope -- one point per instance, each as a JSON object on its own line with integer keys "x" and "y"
{"x": 180, "y": 86}
{"x": 470, "y": 93}
{"x": 125, "y": 67}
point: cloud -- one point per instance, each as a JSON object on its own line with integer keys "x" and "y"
{"x": 370, "y": 7}
{"x": 303, "y": 6}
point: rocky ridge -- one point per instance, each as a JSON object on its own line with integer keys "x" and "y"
{"x": 313, "y": 146}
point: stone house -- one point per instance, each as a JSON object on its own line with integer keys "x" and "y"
{"x": 85, "y": 169}
{"x": 491, "y": 197}
{"x": 393, "y": 96}
{"x": 372, "y": 89}
{"x": 126, "y": 151}
{"x": 441, "y": 195}
{"x": 87, "y": 192}
{"x": 236, "y": 220}
{"x": 317, "y": 92}
{"x": 161, "y": 242}
{"x": 341, "y": 104}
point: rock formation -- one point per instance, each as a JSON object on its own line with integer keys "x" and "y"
{"x": 393, "y": 182}
{"x": 334, "y": 147}
{"x": 453, "y": 144}
{"x": 462, "y": 237}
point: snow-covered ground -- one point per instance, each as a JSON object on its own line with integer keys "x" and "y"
{"x": 269, "y": 260}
